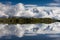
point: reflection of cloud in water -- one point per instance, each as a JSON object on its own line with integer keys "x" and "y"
{"x": 21, "y": 30}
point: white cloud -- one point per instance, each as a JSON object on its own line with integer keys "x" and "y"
{"x": 53, "y": 4}
{"x": 58, "y": 1}
{"x": 22, "y": 10}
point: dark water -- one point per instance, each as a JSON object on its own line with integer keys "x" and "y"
{"x": 38, "y": 37}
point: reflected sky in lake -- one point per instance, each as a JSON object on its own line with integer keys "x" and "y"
{"x": 30, "y": 31}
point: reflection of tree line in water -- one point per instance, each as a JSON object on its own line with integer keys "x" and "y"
{"x": 21, "y": 20}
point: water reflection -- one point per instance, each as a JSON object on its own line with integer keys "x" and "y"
{"x": 30, "y": 31}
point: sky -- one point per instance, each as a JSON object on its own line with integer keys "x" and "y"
{"x": 37, "y": 2}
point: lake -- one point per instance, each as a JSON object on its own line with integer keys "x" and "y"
{"x": 30, "y": 31}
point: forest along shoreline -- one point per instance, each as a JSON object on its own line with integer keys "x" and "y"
{"x": 23, "y": 20}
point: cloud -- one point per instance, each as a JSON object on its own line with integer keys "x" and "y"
{"x": 21, "y": 10}
{"x": 53, "y": 4}
{"x": 58, "y": 1}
